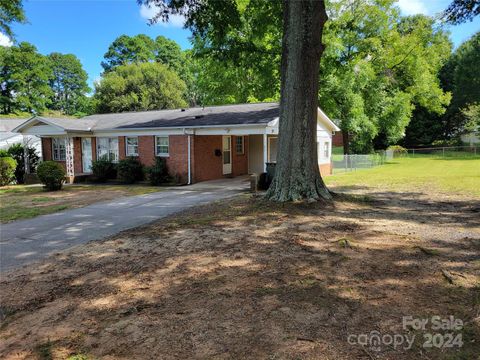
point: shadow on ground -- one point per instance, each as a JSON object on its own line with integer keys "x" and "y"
{"x": 248, "y": 279}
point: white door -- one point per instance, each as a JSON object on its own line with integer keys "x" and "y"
{"x": 87, "y": 155}
{"x": 227, "y": 155}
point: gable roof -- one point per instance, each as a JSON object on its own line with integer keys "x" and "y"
{"x": 8, "y": 124}
{"x": 224, "y": 115}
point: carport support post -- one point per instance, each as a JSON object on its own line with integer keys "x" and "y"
{"x": 265, "y": 154}
{"x": 26, "y": 159}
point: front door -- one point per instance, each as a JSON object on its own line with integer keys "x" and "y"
{"x": 87, "y": 155}
{"x": 227, "y": 155}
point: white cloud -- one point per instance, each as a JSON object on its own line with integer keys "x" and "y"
{"x": 5, "y": 40}
{"x": 412, "y": 7}
{"x": 148, "y": 12}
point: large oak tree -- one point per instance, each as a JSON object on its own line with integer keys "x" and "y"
{"x": 297, "y": 174}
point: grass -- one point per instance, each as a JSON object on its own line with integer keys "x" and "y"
{"x": 456, "y": 175}
{"x": 22, "y": 202}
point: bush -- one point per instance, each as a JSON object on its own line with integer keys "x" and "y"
{"x": 4, "y": 153}
{"x": 17, "y": 151}
{"x": 51, "y": 174}
{"x": 103, "y": 170}
{"x": 158, "y": 174}
{"x": 130, "y": 170}
{"x": 7, "y": 170}
{"x": 398, "y": 151}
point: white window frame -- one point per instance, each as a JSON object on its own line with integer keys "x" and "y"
{"x": 110, "y": 149}
{"x": 133, "y": 147}
{"x": 58, "y": 142}
{"x": 326, "y": 149}
{"x": 162, "y": 154}
{"x": 237, "y": 144}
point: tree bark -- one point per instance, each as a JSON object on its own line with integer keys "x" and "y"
{"x": 346, "y": 142}
{"x": 297, "y": 174}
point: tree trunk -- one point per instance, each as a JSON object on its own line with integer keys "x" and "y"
{"x": 346, "y": 142}
{"x": 297, "y": 174}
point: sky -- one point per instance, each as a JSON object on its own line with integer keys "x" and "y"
{"x": 87, "y": 27}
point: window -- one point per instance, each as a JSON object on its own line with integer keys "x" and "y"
{"x": 59, "y": 149}
{"x": 131, "y": 146}
{"x": 239, "y": 144}
{"x": 326, "y": 149}
{"x": 161, "y": 145}
{"x": 107, "y": 149}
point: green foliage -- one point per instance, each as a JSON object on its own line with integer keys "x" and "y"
{"x": 130, "y": 170}
{"x": 460, "y": 11}
{"x": 11, "y": 11}
{"x": 4, "y": 153}
{"x": 24, "y": 75}
{"x": 103, "y": 170}
{"x": 7, "y": 170}
{"x": 377, "y": 68}
{"x": 128, "y": 50}
{"x": 17, "y": 151}
{"x": 68, "y": 83}
{"x": 472, "y": 114}
{"x": 138, "y": 87}
{"x": 398, "y": 151}
{"x": 459, "y": 76}
{"x": 51, "y": 174}
{"x": 158, "y": 174}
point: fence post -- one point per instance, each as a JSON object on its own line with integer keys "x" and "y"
{"x": 443, "y": 152}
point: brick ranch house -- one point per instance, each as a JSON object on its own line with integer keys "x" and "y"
{"x": 198, "y": 143}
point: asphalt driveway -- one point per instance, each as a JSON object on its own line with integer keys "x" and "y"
{"x": 25, "y": 241}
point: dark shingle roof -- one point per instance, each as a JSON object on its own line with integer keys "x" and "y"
{"x": 243, "y": 114}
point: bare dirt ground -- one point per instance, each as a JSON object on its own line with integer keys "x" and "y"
{"x": 247, "y": 279}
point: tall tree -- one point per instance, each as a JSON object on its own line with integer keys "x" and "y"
{"x": 297, "y": 174}
{"x": 68, "y": 83}
{"x": 10, "y": 11}
{"x": 138, "y": 87}
{"x": 24, "y": 79}
{"x": 460, "y": 11}
{"x": 127, "y": 50}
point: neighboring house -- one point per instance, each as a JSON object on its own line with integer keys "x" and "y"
{"x": 198, "y": 143}
{"x": 9, "y": 138}
{"x": 471, "y": 138}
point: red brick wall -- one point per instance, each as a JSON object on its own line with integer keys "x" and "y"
{"x": 121, "y": 148}
{"x": 146, "y": 150}
{"x": 47, "y": 149}
{"x": 239, "y": 161}
{"x": 325, "y": 169}
{"x": 177, "y": 162}
{"x": 207, "y": 166}
{"x": 77, "y": 155}
{"x": 337, "y": 139}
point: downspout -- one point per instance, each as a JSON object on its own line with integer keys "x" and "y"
{"x": 189, "y": 155}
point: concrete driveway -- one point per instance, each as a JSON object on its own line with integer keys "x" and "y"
{"x": 24, "y": 241}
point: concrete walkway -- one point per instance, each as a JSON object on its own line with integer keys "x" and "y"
{"x": 24, "y": 241}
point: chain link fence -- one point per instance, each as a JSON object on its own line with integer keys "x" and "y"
{"x": 354, "y": 162}
{"x": 445, "y": 152}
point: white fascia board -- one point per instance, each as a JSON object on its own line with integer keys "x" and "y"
{"x": 325, "y": 120}
{"x": 204, "y": 130}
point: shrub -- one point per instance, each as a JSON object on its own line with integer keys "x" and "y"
{"x": 7, "y": 170}
{"x": 130, "y": 170}
{"x": 4, "y": 153}
{"x": 398, "y": 151}
{"x": 103, "y": 170}
{"x": 158, "y": 174}
{"x": 17, "y": 151}
{"x": 51, "y": 174}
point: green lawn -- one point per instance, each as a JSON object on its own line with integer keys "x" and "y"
{"x": 456, "y": 175}
{"x": 21, "y": 202}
